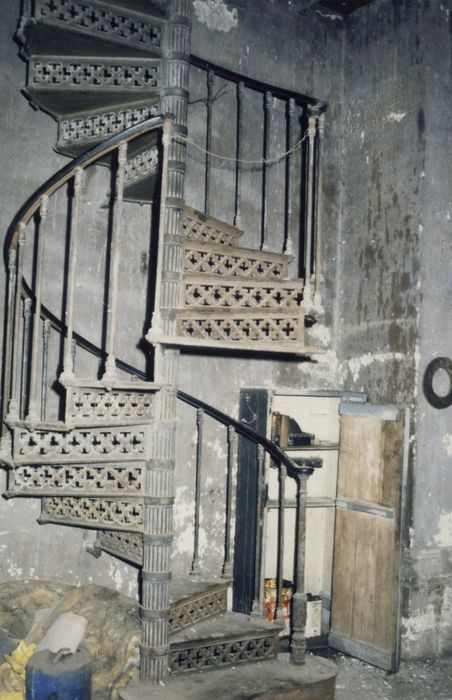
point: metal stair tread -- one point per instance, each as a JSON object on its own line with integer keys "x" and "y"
{"x": 184, "y": 588}
{"x": 286, "y": 348}
{"x": 63, "y": 96}
{"x": 236, "y": 250}
{"x": 212, "y": 222}
{"x": 232, "y": 312}
{"x": 223, "y": 627}
{"x": 230, "y": 280}
{"x": 49, "y": 37}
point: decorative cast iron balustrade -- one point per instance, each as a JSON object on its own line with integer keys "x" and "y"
{"x": 298, "y": 471}
{"x": 128, "y": 74}
{"x": 83, "y": 479}
{"x": 98, "y": 127}
{"x": 31, "y": 341}
{"x": 212, "y": 260}
{"x": 289, "y": 133}
{"x": 198, "y": 292}
{"x": 104, "y": 22}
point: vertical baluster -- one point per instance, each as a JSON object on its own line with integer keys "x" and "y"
{"x": 305, "y": 467}
{"x": 68, "y": 368}
{"x": 308, "y": 295}
{"x": 238, "y": 155}
{"x": 33, "y": 390}
{"x": 112, "y": 308}
{"x": 13, "y": 408}
{"x": 288, "y": 238}
{"x": 9, "y": 330}
{"x": 199, "y": 430}
{"x": 281, "y": 539}
{"x": 45, "y": 366}
{"x": 209, "y": 103}
{"x": 25, "y": 356}
{"x": 267, "y": 131}
{"x": 318, "y": 217}
{"x": 167, "y": 133}
{"x": 227, "y": 566}
{"x": 73, "y": 351}
{"x": 257, "y": 601}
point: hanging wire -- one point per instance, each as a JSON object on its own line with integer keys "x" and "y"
{"x": 260, "y": 161}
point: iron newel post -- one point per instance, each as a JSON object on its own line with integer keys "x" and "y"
{"x": 303, "y": 467}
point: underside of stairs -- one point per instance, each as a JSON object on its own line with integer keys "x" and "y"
{"x": 89, "y": 434}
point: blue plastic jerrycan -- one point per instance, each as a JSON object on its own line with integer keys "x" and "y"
{"x": 58, "y": 676}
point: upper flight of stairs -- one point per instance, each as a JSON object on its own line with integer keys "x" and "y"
{"x": 98, "y": 68}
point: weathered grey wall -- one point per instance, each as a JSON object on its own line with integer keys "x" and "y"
{"x": 394, "y": 282}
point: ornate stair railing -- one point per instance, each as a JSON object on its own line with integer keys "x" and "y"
{"x": 284, "y": 148}
{"x": 299, "y": 471}
{"x": 27, "y": 378}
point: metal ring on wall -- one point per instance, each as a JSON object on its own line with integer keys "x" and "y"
{"x": 432, "y": 397}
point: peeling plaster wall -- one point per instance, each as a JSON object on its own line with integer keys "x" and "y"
{"x": 395, "y": 283}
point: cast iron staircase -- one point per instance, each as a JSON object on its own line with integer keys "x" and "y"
{"x": 98, "y": 447}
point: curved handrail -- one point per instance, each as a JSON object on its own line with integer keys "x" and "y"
{"x": 270, "y": 447}
{"x": 258, "y": 85}
{"x": 32, "y": 204}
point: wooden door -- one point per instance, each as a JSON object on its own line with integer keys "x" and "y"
{"x": 366, "y": 565}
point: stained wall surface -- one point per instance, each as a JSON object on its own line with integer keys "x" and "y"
{"x": 385, "y": 73}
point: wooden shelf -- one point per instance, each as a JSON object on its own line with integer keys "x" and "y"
{"x": 313, "y": 447}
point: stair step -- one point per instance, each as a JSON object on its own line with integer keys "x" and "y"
{"x": 112, "y": 513}
{"x": 90, "y": 445}
{"x": 206, "y": 229}
{"x": 104, "y": 481}
{"x": 64, "y": 85}
{"x": 84, "y": 131}
{"x": 194, "y": 601}
{"x": 214, "y": 259}
{"x": 94, "y": 406}
{"x": 247, "y": 326}
{"x": 191, "y": 599}
{"x": 205, "y": 291}
{"x": 90, "y": 27}
{"x": 276, "y": 679}
{"x": 225, "y": 640}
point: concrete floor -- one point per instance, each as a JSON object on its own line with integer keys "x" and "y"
{"x": 417, "y": 680}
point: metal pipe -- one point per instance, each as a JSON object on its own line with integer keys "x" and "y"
{"x": 318, "y": 218}
{"x": 267, "y": 130}
{"x": 112, "y": 307}
{"x": 68, "y": 368}
{"x": 227, "y": 565}
{"x": 32, "y": 414}
{"x": 257, "y": 609}
{"x": 281, "y": 540}
{"x": 288, "y": 238}
{"x": 25, "y": 356}
{"x": 9, "y": 330}
{"x": 308, "y": 294}
{"x": 238, "y": 155}
{"x": 199, "y": 430}
{"x": 209, "y": 103}
{"x": 45, "y": 367}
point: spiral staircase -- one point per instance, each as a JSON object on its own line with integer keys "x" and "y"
{"x": 104, "y": 457}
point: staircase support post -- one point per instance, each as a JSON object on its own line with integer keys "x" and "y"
{"x": 159, "y": 492}
{"x": 305, "y": 467}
